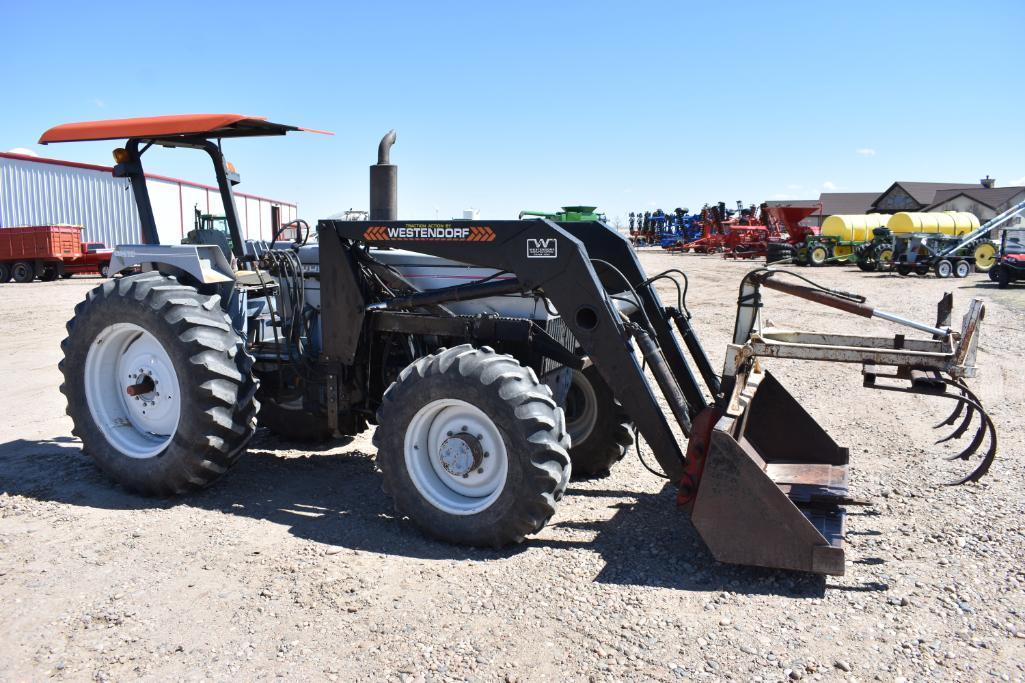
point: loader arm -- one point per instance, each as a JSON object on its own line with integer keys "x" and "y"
{"x": 548, "y": 257}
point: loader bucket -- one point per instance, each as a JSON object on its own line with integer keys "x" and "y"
{"x": 772, "y": 485}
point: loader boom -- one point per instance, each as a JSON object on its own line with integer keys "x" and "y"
{"x": 547, "y": 257}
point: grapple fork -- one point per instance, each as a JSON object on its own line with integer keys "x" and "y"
{"x": 766, "y": 485}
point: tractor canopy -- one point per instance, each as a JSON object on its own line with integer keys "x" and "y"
{"x": 164, "y": 127}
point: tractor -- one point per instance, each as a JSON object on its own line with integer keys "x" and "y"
{"x": 495, "y": 358}
{"x": 787, "y": 237}
{"x": 569, "y": 213}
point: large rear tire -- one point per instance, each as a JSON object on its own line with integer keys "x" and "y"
{"x": 5, "y": 273}
{"x": 159, "y": 385}
{"x": 472, "y": 447}
{"x": 1003, "y": 278}
{"x": 598, "y": 426}
{"x": 778, "y": 251}
{"x": 985, "y": 253}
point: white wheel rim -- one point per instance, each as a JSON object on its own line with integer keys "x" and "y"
{"x": 456, "y": 457}
{"x": 962, "y": 269}
{"x": 121, "y": 356}
{"x": 944, "y": 269}
{"x": 581, "y": 419}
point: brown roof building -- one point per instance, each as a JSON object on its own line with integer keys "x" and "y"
{"x": 981, "y": 199}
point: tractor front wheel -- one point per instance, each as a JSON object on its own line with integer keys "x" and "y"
{"x": 159, "y": 385}
{"x": 598, "y": 426}
{"x": 818, "y": 255}
{"x": 472, "y": 447}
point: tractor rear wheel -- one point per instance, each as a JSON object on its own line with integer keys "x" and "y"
{"x": 23, "y": 272}
{"x": 985, "y": 253}
{"x": 159, "y": 385}
{"x": 777, "y": 251}
{"x": 598, "y": 426}
{"x": 472, "y": 447}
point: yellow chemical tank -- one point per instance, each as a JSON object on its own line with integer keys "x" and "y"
{"x": 852, "y": 227}
{"x": 945, "y": 222}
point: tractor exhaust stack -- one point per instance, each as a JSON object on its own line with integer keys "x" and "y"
{"x": 384, "y": 183}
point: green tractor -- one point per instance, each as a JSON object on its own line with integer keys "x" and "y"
{"x": 210, "y": 229}
{"x": 877, "y": 253}
{"x": 568, "y": 214}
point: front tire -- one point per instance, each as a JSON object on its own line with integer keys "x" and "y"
{"x": 1003, "y": 276}
{"x": 472, "y": 447}
{"x": 159, "y": 385}
{"x": 818, "y": 255}
{"x": 598, "y": 426}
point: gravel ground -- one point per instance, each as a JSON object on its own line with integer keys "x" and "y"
{"x": 294, "y": 565}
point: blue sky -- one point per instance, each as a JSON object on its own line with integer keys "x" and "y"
{"x": 508, "y": 106}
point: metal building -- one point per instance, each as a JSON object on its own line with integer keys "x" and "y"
{"x": 38, "y": 191}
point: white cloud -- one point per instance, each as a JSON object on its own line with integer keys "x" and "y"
{"x": 780, "y": 195}
{"x": 1019, "y": 181}
{"x": 829, "y": 185}
{"x": 865, "y": 152}
{"x": 99, "y": 103}
{"x": 24, "y": 151}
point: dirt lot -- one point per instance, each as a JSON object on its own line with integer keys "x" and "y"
{"x": 294, "y": 566}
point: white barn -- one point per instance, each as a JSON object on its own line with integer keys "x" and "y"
{"x": 39, "y": 191}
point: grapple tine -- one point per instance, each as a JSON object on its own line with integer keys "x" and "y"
{"x": 987, "y": 459}
{"x": 973, "y": 446}
{"x": 952, "y": 418}
{"x": 961, "y": 428}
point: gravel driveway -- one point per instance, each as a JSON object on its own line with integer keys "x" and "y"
{"x": 295, "y": 567}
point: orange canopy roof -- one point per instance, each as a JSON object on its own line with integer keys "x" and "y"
{"x": 204, "y": 125}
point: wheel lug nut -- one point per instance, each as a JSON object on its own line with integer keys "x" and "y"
{"x": 463, "y": 428}
{"x": 465, "y": 476}
{"x": 486, "y": 454}
{"x": 449, "y": 433}
{"x": 480, "y": 437}
{"x": 480, "y": 470}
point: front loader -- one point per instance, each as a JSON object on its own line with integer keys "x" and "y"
{"x": 495, "y": 357}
